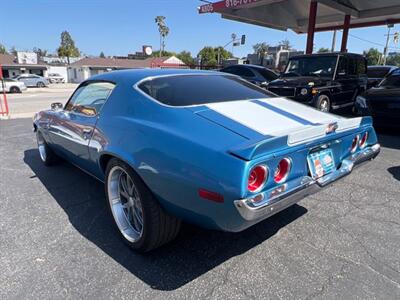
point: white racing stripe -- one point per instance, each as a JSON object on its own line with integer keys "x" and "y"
{"x": 308, "y": 113}
{"x": 256, "y": 117}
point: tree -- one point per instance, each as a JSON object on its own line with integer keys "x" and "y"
{"x": 261, "y": 49}
{"x": 67, "y": 47}
{"x": 373, "y": 56}
{"x": 3, "y": 49}
{"x": 393, "y": 60}
{"x": 323, "y": 50}
{"x": 186, "y": 57}
{"x": 285, "y": 43}
{"x": 222, "y": 54}
{"x": 102, "y": 54}
{"x": 40, "y": 52}
{"x": 163, "y": 30}
{"x": 13, "y": 51}
{"x": 208, "y": 56}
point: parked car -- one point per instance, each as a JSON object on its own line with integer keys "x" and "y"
{"x": 205, "y": 147}
{"x": 382, "y": 102}
{"x": 55, "y": 78}
{"x": 377, "y": 73}
{"x": 326, "y": 81}
{"x": 252, "y": 73}
{"x": 32, "y": 80}
{"x": 12, "y": 86}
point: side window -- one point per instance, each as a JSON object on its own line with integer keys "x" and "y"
{"x": 89, "y": 98}
{"x": 352, "y": 66}
{"x": 342, "y": 66}
{"x": 361, "y": 66}
{"x": 229, "y": 70}
{"x": 246, "y": 72}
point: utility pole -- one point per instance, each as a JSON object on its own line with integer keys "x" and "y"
{"x": 333, "y": 41}
{"x": 385, "y": 51}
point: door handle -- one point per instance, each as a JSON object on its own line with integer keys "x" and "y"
{"x": 86, "y": 133}
{"x": 87, "y": 130}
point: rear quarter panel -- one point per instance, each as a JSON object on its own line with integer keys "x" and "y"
{"x": 175, "y": 153}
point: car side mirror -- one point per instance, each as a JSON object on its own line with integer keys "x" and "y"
{"x": 57, "y": 106}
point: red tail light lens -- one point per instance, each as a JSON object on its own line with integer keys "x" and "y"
{"x": 282, "y": 170}
{"x": 354, "y": 144}
{"x": 257, "y": 177}
{"x": 363, "y": 141}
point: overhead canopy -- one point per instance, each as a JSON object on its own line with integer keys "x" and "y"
{"x": 294, "y": 14}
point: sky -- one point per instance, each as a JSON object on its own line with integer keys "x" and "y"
{"x": 118, "y": 27}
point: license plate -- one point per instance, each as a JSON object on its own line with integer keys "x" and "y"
{"x": 321, "y": 163}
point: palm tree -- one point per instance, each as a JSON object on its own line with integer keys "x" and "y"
{"x": 163, "y": 30}
{"x": 261, "y": 49}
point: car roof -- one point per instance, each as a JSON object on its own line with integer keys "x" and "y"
{"x": 328, "y": 54}
{"x": 132, "y": 76}
{"x": 382, "y": 67}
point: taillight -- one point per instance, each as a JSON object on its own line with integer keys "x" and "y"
{"x": 354, "y": 144}
{"x": 282, "y": 170}
{"x": 257, "y": 178}
{"x": 363, "y": 141}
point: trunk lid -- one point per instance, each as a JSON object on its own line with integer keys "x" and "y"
{"x": 272, "y": 123}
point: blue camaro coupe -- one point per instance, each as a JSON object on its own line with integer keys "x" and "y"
{"x": 203, "y": 147}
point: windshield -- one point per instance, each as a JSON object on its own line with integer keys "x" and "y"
{"x": 311, "y": 66}
{"x": 392, "y": 81}
{"x": 185, "y": 90}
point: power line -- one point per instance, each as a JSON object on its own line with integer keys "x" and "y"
{"x": 371, "y": 42}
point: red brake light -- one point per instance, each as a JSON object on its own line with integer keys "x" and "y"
{"x": 212, "y": 196}
{"x": 282, "y": 170}
{"x": 354, "y": 144}
{"x": 257, "y": 177}
{"x": 363, "y": 141}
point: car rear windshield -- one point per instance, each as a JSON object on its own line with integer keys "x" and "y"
{"x": 377, "y": 72}
{"x": 185, "y": 90}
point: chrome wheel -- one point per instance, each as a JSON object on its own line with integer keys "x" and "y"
{"x": 41, "y": 146}
{"x": 125, "y": 203}
{"x": 324, "y": 104}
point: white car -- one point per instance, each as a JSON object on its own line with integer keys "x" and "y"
{"x": 55, "y": 78}
{"x": 12, "y": 86}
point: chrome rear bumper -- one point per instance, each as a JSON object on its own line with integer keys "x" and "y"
{"x": 274, "y": 200}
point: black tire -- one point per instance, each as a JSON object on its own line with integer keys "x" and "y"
{"x": 47, "y": 156}
{"x": 40, "y": 84}
{"x": 15, "y": 89}
{"x": 158, "y": 227}
{"x": 323, "y": 103}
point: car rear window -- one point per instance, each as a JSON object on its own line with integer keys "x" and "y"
{"x": 185, "y": 90}
{"x": 377, "y": 72}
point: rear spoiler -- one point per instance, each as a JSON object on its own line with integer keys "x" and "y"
{"x": 267, "y": 146}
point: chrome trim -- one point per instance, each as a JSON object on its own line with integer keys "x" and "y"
{"x": 278, "y": 198}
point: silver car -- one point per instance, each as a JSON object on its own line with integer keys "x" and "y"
{"x": 55, "y": 78}
{"x": 12, "y": 86}
{"x": 32, "y": 80}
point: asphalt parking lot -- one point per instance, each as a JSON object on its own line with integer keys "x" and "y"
{"x": 57, "y": 240}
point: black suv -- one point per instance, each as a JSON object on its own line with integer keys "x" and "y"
{"x": 327, "y": 81}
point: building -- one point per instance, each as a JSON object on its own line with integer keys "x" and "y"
{"x": 89, "y": 66}
{"x": 276, "y": 57}
{"x": 24, "y": 63}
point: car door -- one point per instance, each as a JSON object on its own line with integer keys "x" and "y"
{"x": 25, "y": 80}
{"x": 344, "y": 83}
{"x": 71, "y": 128}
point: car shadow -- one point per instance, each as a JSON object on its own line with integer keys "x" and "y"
{"x": 395, "y": 171}
{"x": 194, "y": 252}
